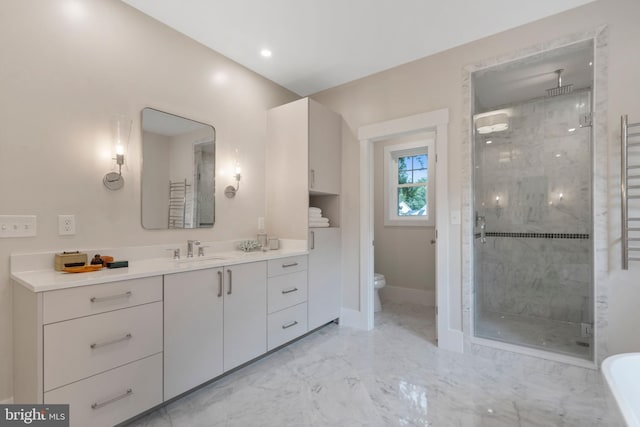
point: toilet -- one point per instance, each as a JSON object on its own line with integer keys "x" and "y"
{"x": 378, "y": 282}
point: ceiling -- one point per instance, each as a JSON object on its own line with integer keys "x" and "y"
{"x": 529, "y": 78}
{"x": 320, "y": 44}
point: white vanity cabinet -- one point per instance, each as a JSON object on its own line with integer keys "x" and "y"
{"x": 324, "y": 276}
{"x": 287, "y": 300}
{"x": 97, "y": 348}
{"x": 214, "y": 321}
{"x": 193, "y": 322}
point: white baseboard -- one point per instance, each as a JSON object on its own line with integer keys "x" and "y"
{"x": 7, "y": 401}
{"x": 400, "y": 295}
{"x": 451, "y": 339}
{"x": 353, "y": 318}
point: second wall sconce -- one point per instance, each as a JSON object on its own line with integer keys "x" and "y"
{"x": 121, "y": 131}
{"x": 230, "y": 191}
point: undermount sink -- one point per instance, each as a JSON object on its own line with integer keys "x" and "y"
{"x": 203, "y": 258}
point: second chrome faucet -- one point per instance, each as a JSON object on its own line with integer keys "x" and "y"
{"x": 190, "y": 244}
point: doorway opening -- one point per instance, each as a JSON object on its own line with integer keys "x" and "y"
{"x": 432, "y": 123}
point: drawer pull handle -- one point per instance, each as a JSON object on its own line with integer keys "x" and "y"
{"x": 288, "y": 291}
{"x": 219, "y": 284}
{"x": 293, "y": 264}
{"x": 115, "y": 341}
{"x": 98, "y": 405}
{"x": 230, "y": 282}
{"x": 288, "y": 325}
{"x": 118, "y": 296}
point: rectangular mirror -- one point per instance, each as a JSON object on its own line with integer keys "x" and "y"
{"x": 178, "y": 172}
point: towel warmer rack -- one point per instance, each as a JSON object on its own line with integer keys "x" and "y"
{"x": 630, "y": 171}
{"x": 178, "y": 203}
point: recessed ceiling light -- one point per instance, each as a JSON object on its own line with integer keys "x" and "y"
{"x": 590, "y": 63}
{"x": 572, "y": 130}
{"x": 558, "y": 155}
{"x": 489, "y": 142}
{"x": 266, "y": 53}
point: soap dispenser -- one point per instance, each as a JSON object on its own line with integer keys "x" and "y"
{"x": 262, "y": 234}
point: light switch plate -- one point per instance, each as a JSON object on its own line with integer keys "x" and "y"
{"x": 17, "y": 226}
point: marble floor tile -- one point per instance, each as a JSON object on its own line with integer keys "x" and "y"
{"x": 543, "y": 334}
{"x": 393, "y": 375}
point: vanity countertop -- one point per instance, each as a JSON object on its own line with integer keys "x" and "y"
{"x": 48, "y": 279}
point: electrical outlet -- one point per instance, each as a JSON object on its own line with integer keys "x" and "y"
{"x": 66, "y": 225}
{"x": 17, "y": 226}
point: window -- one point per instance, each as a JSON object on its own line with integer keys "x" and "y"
{"x": 409, "y": 190}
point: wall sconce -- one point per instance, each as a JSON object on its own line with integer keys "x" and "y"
{"x": 230, "y": 191}
{"x": 121, "y": 128}
{"x": 498, "y": 207}
{"x": 492, "y": 123}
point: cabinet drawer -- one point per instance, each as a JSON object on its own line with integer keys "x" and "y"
{"x": 286, "y": 325}
{"x": 286, "y": 290}
{"x": 114, "y": 396}
{"x": 279, "y": 266}
{"x": 85, "y": 300}
{"x": 78, "y": 348}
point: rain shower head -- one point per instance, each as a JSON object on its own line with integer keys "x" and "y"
{"x": 559, "y": 90}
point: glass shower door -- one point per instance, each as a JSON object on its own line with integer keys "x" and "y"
{"x": 533, "y": 227}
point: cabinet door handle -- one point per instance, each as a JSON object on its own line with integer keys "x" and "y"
{"x": 313, "y": 178}
{"x": 98, "y": 405}
{"x": 293, "y": 264}
{"x": 288, "y": 291}
{"x": 115, "y": 341}
{"x": 230, "y": 282}
{"x": 110, "y": 297}
{"x": 288, "y": 325}
{"x": 219, "y": 283}
{"x": 313, "y": 240}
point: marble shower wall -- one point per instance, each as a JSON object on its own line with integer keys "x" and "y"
{"x": 535, "y": 178}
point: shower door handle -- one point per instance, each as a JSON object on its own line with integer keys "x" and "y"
{"x": 483, "y": 225}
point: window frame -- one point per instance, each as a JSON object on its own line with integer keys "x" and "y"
{"x": 391, "y": 186}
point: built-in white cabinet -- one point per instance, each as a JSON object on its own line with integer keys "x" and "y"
{"x": 97, "y": 348}
{"x": 324, "y": 300}
{"x": 214, "y": 321}
{"x": 325, "y": 149}
{"x": 298, "y": 131}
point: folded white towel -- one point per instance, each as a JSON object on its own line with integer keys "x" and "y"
{"x": 319, "y": 220}
{"x": 312, "y": 209}
{"x": 319, "y": 225}
{"x": 315, "y": 215}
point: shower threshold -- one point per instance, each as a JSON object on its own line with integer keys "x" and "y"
{"x": 548, "y": 335}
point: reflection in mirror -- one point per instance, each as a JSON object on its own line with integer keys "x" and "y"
{"x": 178, "y": 174}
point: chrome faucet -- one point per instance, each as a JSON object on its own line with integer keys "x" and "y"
{"x": 190, "y": 244}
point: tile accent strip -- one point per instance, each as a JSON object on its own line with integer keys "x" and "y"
{"x": 582, "y": 236}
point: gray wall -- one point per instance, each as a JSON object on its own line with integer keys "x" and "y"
{"x": 403, "y": 254}
{"x": 63, "y": 75}
{"x": 435, "y": 82}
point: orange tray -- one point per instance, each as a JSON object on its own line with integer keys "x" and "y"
{"x": 83, "y": 268}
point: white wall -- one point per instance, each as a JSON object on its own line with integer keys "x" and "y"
{"x": 66, "y": 68}
{"x": 403, "y": 254}
{"x": 435, "y": 82}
